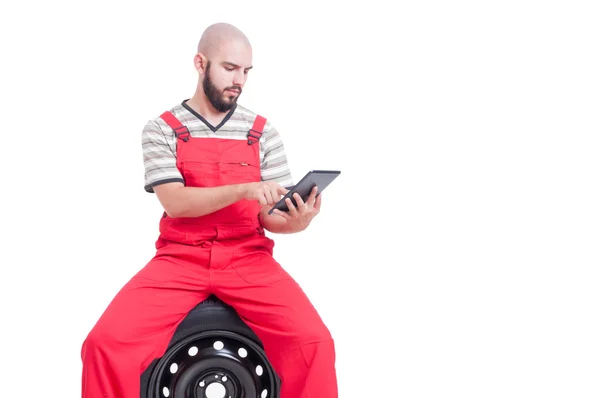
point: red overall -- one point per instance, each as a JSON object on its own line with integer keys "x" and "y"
{"x": 227, "y": 254}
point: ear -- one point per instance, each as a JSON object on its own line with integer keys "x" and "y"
{"x": 200, "y": 63}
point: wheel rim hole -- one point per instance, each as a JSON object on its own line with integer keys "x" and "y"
{"x": 218, "y": 345}
{"x": 166, "y": 391}
{"x": 264, "y": 393}
{"x": 215, "y": 390}
{"x": 193, "y": 351}
{"x": 242, "y": 352}
{"x": 174, "y": 368}
{"x": 259, "y": 370}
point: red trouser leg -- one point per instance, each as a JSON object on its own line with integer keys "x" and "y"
{"x": 140, "y": 321}
{"x": 296, "y": 341}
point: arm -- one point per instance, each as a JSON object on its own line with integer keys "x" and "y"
{"x": 274, "y": 223}
{"x": 181, "y": 201}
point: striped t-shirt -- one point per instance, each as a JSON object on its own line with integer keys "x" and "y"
{"x": 159, "y": 145}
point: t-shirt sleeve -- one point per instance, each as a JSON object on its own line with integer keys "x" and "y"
{"x": 159, "y": 158}
{"x": 274, "y": 166}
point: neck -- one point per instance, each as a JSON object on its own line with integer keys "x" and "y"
{"x": 202, "y": 105}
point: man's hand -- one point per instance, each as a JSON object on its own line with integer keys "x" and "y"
{"x": 298, "y": 218}
{"x": 266, "y": 193}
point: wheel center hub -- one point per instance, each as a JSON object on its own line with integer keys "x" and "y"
{"x": 216, "y": 385}
{"x": 215, "y": 390}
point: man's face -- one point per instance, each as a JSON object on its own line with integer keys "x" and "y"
{"x": 226, "y": 75}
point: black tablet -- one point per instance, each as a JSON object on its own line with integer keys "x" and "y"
{"x": 320, "y": 178}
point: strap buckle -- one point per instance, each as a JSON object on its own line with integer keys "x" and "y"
{"x": 182, "y": 132}
{"x": 256, "y": 137}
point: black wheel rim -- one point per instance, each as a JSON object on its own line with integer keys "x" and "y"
{"x": 214, "y": 364}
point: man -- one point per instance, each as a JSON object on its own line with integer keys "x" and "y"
{"x": 217, "y": 169}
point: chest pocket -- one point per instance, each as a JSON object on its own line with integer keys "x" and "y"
{"x": 217, "y": 162}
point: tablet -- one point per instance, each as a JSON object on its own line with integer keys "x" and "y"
{"x": 320, "y": 178}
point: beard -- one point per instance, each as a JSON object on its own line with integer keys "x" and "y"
{"x": 215, "y": 96}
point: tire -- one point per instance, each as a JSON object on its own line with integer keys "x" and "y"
{"x": 212, "y": 351}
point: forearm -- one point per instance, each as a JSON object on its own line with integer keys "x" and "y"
{"x": 274, "y": 223}
{"x": 195, "y": 202}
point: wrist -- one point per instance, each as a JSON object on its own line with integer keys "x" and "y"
{"x": 242, "y": 190}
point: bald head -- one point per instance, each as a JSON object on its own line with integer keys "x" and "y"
{"x": 218, "y": 35}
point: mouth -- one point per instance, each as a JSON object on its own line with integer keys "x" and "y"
{"x": 233, "y": 91}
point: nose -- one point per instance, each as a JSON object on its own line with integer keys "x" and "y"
{"x": 239, "y": 78}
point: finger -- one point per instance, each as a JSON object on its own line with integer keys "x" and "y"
{"x": 281, "y": 190}
{"x": 299, "y": 201}
{"x": 313, "y": 195}
{"x": 269, "y": 197}
{"x": 276, "y": 195}
{"x": 290, "y": 205}
{"x": 262, "y": 200}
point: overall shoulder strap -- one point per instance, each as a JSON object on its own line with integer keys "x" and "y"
{"x": 257, "y": 129}
{"x": 179, "y": 129}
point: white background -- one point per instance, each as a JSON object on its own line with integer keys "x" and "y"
{"x": 456, "y": 256}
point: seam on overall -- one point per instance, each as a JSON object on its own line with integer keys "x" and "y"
{"x": 312, "y": 343}
{"x": 302, "y": 346}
